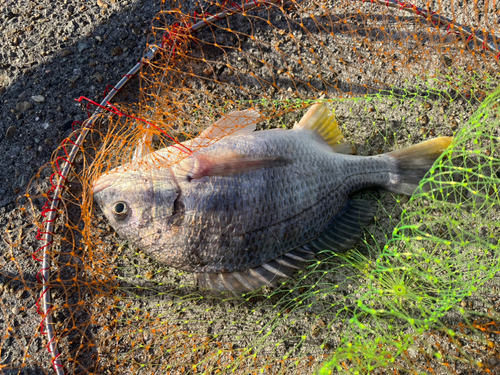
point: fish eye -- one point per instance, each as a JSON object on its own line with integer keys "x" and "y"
{"x": 120, "y": 210}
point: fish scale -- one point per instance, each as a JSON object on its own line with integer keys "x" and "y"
{"x": 239, "y": 208}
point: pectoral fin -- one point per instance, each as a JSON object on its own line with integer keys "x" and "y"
{"x": 231, "y": 164}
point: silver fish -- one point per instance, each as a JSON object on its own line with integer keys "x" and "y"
{"x": 252, "y": 207}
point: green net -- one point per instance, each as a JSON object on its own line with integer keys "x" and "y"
{"x": 441, "y": 260}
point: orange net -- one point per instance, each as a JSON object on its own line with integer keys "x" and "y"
{"x": 395, "y": 73}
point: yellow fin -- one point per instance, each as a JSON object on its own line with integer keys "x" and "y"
{"x": 322, "y": 121}
{"x": 432, "y": 148}
{"x": 414, "y": 162}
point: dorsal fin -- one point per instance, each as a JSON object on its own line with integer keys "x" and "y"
{"x": 237, "y": 122}
{"x": 343, "y": 148}
{"x": 322, "y": 121}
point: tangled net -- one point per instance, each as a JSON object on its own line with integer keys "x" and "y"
{"x": 417, "y": 294}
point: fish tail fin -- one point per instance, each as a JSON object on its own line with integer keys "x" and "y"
{"x": 414, "y": 162}
{"x": 320, "y": 119}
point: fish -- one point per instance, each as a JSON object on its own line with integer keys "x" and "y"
{"x": 248, "y": 208}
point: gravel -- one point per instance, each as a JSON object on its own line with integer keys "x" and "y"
{"x": 55, "y": 53}
{"x": 51, "y": 53}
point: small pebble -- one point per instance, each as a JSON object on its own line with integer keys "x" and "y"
{"x": 10, "y": 132}
{"x": 16, "y": 190}
{"x": 117, "y": 51}
{"x": 98, "y": 77}
{"x": 102, "y": 4}
{"x": 74, "y": 79}
{"x": 38, "y": 98}
{"x": 149, "y": 275}
{"x": 424, "y": 119}
{"x": 256, "y": 64}
{"x": 208, "y": 71}
{"x": 83, "y": 46}
{"x": 66, "y": 53}
{"x": 24, "y": 106}
{"x": 316, "y": 331}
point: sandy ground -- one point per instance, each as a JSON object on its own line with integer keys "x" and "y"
{"x": 52, "y": 53}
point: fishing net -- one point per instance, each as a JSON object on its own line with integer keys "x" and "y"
{"x": 416, "y": 295}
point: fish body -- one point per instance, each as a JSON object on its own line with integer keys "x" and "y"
{"x": 253, "y": 206}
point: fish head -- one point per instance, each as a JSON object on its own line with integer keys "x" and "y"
{"x": 139, "y": 203}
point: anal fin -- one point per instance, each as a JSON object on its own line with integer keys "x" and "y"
{"x": 345, "y": 229}
{"x": 341, "y": 234}
{"x": 240, "y": 282}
